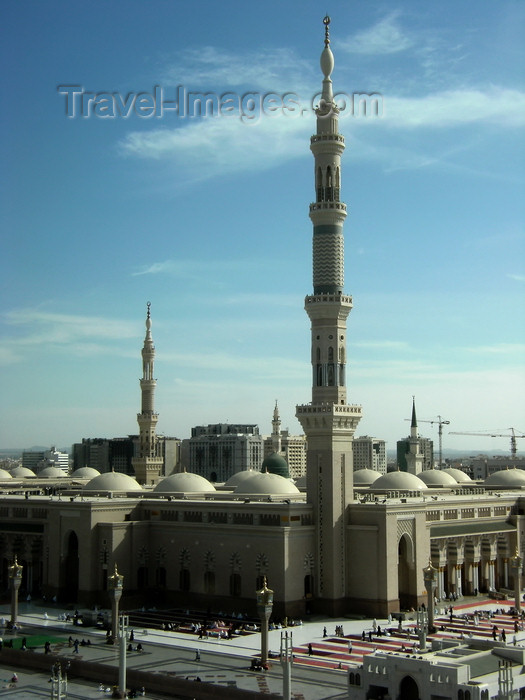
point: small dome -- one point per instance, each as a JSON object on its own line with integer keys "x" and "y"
{"x": 52, "y": 473}
{"x": 184, "y": 482}
{"x": 112, "y": 481}
{"x": 239, "y": 477}
{"x": 458, "y": 475}
{"x": 436, "y": 477}
{"x": 275, "y": 463}
{"x": 263, "y": 483}
{"x": 365, "y": 477}
{"x": 21, "y": 472}
{"x": 5, "y": 474}
{"x": 509, "y": 478}
{"x": 85, "y": 473}
{"x": 398, "y": 481}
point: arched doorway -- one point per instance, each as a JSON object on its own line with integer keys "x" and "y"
{"x": 405, "y": 573}
{"x": 408, "y": 689}
{"x": 70, "y": 570}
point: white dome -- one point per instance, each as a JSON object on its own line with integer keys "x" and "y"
{"x": 5, "y": 474}
{"x": 184, "y": 482}
{"x": 266, "y": 484}
{"x": 112, "y": 481}
{"x": 458, "y": 475}
{"x": 21, "y": 472}
{"x": 510, "y": 478}
{"x": 436, "y": 477}
{"x": 398, "y": 481}
{"x": 239, "y": 477}
{"x": 365, "y": 477}
{"x": 85, "y": 473}
{"x": 52, "y": 473}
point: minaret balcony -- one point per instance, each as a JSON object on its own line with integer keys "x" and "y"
{"x": 327, "y": 137}
{"x": 337, "y": 298}
{"x": 335, "y": 206}
{"x": 332, "y": 408}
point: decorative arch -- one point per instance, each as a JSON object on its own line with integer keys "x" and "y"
{"x": 408, "y": 689}
{"x": 235, "y": 563}
{"x": 406, "y": 575}
{"x": 209, "y": 573}
{"x": 70, "y": 567}
{"x": 184, "y": 574}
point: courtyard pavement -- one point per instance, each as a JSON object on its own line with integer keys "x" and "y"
{"x": 319, "y": 672}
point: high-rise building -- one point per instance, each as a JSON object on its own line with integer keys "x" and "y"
{"x": 149, "y": 463}
{"x": 36, "y": 460}
{"x": 369, "y": 453}
{"x": 218, "y": 451}
{"x": 328, "y": 421}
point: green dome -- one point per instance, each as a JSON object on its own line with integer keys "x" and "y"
{"x": 275, "y": 464}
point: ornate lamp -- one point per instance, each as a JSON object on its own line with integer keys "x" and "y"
{"x": 516, "y": 565}
{"x": 116, "y": 585}
{"x": 15, "y": 577}
{"x": 430, "y": 578}
{"x": 264, "y": 610}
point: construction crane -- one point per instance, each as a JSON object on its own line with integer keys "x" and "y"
{"x": 441, "y": 422}
{"x": 513, "y": 437}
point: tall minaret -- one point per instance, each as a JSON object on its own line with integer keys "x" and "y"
{"x": 276, "y": 430}
{"x": 414, "y": 457}
{"x": 148, "y": 465}
{"x": 328, "y": 421}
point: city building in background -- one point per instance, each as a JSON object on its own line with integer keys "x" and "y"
{"x": 37, "y": 460}
{"x": 369, "y": 453}
{"x": 218, "y": 451}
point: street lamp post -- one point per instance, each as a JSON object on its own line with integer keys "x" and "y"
{"x": 116, "y": 584}
{"x": 430, "y": 578}
{"x": 286, "y": 663}
{"x": 58, "y": 683}
{"x": 516, "y": 563}
{"x": 123, "y": 634}
{"x": 15, "y": 577}
{"x": 264, "y": 609}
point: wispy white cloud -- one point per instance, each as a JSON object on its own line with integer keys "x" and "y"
{"x": 382, "y": 345}
{"x": 518, "y": 278}
{"x": 268, "y": 70}
{"x": 384, "y": 37}
{"x": 221, "y": 144}
{"x": 517, "y": 349}
{"x": 82, "y": 335}
{"x": 211, "y": 145}
{"x": 190, "y": 268}
{"x": 496, "y": 106}
{"x": 71, "y": 325}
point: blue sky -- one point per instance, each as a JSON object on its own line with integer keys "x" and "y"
{"x": 207, "y": 217}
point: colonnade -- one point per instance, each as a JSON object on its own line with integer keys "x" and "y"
{"x": 467, "y": 566}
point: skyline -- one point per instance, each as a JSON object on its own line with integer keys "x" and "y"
{"x": 207, "y": 218}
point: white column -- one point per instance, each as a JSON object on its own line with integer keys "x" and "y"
{"x": 491, "y": 574}
{"x": 459, "y": 590}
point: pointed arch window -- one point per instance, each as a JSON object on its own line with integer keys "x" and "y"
{"x": 329, "y": 190}
{"x": 319, "y": 184}
{"x": 337, "y": 188}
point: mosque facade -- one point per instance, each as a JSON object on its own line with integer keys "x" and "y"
{"x": 351, "y": 541}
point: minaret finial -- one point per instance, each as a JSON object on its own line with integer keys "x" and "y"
{"x": 414, "y": 420}
{"x": 326, "y": 22}
{"x": 149, "y": 307}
